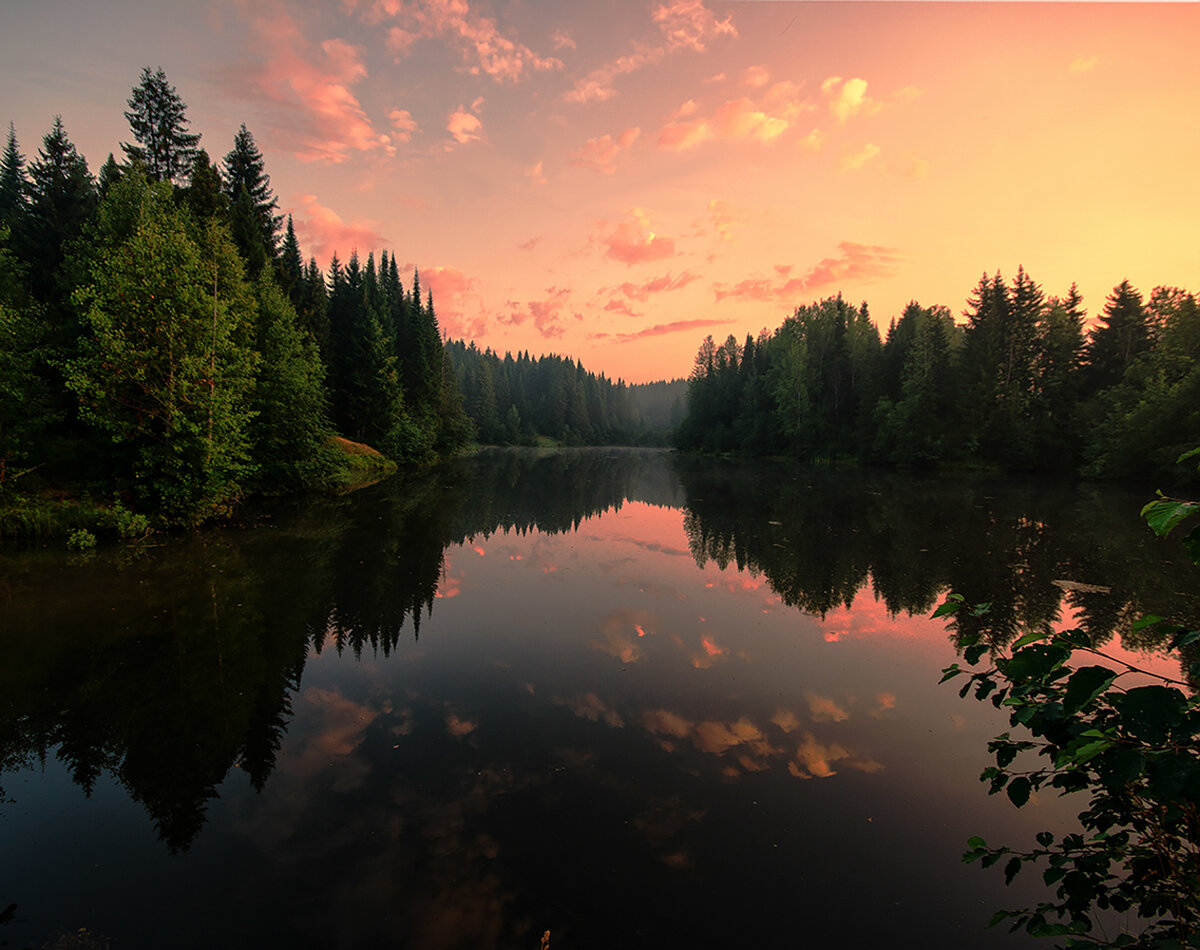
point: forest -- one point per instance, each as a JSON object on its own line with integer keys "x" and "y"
{"x": 164, "y": 343}
{"x": 1020, "y": 385}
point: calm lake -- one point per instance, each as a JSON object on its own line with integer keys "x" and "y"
{"x": 631, "y": 699}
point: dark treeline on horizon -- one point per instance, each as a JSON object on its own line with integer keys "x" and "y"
{"x": 513, "y": 400}
{"x": 161, "y": 336}
{"x": 1020, "y": 385}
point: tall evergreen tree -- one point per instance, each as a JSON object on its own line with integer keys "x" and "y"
{"x": 1120, "y": 335}
{"x": 245, "y": 174}
{"x": 157, "y": 117}
{"x": 62, "y": 200}
{"x": 14, "y": 186}
{"x": 205, "y": 193}
{"x": 290, "y": 265}
{"x": 110, "y": 174}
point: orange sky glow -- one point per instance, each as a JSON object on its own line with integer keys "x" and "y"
{"x": 613, "y": 181}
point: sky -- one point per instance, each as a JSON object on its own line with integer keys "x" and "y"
{"x": 613, "y": 181}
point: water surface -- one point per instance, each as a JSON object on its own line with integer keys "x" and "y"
{"x": 631, "y": 700}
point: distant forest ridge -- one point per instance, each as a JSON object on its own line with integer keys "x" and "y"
{"x": 1019, "y": 385}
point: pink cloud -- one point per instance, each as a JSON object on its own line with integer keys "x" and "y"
{"x": 848, "y": 97}
{"x": 689, "y": 24}
{"x": 756, "y": 77}
{"x": 736, "y": 119}
{"x": 632, "y": 242}
{"x": 322, "y": 232}
{"x": 486, "y": 49}
{"x": 855, "y": 262}
{"x": 449, "y": 286}
{"x": 661, "y": 329}
{"x": 536, "y": 174}
{"x": 546, "y": 314}
{"x": 305, "y": 90}
{"x": 855, "y": 159}
{"x": 404, "y": 124}
{"x": 464, "y": 127}
{"x": 600, "y": 154}
{"x": 658, "y": 285}
{"x": 682, "y": 24}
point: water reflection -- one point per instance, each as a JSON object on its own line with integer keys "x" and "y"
{"x": 521, "y": 690}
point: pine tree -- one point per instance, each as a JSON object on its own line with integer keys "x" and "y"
{"x": 14, "y": 187}
{"x": 290, "y": 429}
{"x": 245, "y": 174}
{"x": 290, "y": 266}
{"x": 157, "y": 118}
{"x": 205, "y": 193}
{"x": 62, "y": 200}
{"x": 1120, "y": 335}
{"x": 110, "y": 174}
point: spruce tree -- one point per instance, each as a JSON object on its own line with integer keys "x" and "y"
{"x": 290, "y": 266}
{"x": 205, "y": 193}
{"x": 14, "y": 186}
{"x": 245, "y": 174}
{"x": 62, "y": 200}
{"x": 110, "y": 174}
{"x": 157, "y": 117}
{"x": 1120, "y": 335}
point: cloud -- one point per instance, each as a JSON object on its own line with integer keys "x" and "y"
{"x": 917, "y": 168}
{"x": 322, "y": 231}
{"x": 532, "y": 242}
{"x": 1083, "y": 64}
{"x": 404, "y": 124}
{"x": 661, "y": 329}
{"x": 736, "y": 119}
{"x": 756, "y": 76}
{"x": 854, "y": 262}
{"x": 825, "y": 710}
{"x": 562, "y": 39}
{"x": 536, "y": 174}
{"x": 658, "y": 285}
{"x": 305, "y": 90}
{"x": 451, "y": 289}
{"x": 483, "y": 46}
{"x": 600, "y": 154}
{"x": 689, "y": 24}
{"x": 682, "y": 24}
{"x": 813, "y": 141}
{"x": 856, "y": 159}
{"x": 464, "y": 127}
{"x": 546, "y": 313}
{"x": 633, "y": 242}
{"x": 847, "y": 97}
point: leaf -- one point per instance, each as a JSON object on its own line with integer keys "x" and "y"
{"x": 1011, "y": 869}
{"x": 1033, "y": 662}
{"x": 1045, "y": 838}
{"x": 1147, "y": 621}
{"x": 1085, "y": 684}
{"x": 947, "y": 607}
{"x": 1031, "y": 637}
{"x": 997, "y": 917}
{"x": 1018, "y": 790}
{"x": 1165, "y": 513}
{"x": 1190, "y": 453}
{"x": 1191, "y": 544}
{"x": 949, "y": 673}
{"x": 1151, "y": 712}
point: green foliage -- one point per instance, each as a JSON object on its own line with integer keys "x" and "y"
{"x": 167, "y": 370}
{"x": 81, "y": 539}
{"x": 1126, "y": 738}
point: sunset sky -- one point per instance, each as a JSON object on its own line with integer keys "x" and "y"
{"x": 614, "y": 180}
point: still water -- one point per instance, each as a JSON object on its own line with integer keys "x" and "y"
{"x": 631, "y": 700}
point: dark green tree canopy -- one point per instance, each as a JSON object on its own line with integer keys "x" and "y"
{"x": 159, "y": 124}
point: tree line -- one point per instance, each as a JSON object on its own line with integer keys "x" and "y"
{"x": 1021, "y": 384}
{"x": 516, "y": 400}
